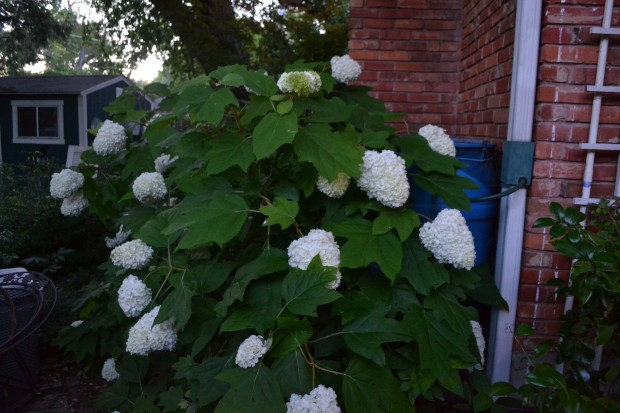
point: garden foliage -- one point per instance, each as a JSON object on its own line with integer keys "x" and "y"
{"x": 589, "y": 331}
{"x": 249, "y": 327}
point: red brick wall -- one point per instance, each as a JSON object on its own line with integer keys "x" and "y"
{"x": 409, "y": 52}
{"x": 485, "y": 69}
{"x": 568, "y": 57}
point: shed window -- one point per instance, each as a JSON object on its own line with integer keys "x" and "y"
{"x": 38, "y": 121}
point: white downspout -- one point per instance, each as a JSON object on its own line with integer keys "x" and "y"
{"x": 512, "y": 208}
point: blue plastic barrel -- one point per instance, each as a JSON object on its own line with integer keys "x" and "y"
{"x": 482, "y": 217}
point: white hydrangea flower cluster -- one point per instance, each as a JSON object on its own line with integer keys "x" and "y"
{"x": 133, "y": 296}
{"x": 108, "y": 372}
{"x": 250, "y": 351}
{"x": 302, "y": 83}
{"x": 73, "y": 205}
{"x": 336, "y": 188}
{"x": 320, "y": 400}
{"x": 449, "y": 239}
{"x": 318, "y": 241}
{"x": 384, "y": 178}
{"x": 66, "y": 183}
{"x": 476, "y": 328}
{"x": 149, "y": 186}
{"x": 438, "y": 140}
{"x": 145, "y": 337}
{"x": 345, "y": 69}
{"x": 110, "y": 139}
{"x": 132, "y": 255}
{"x": 163, "y": 162}
{"x": 120, "y": 237}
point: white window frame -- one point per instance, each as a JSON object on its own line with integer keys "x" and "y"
{"x": 46, "y": 140}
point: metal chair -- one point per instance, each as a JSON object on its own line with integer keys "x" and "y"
{"x": 26, "y": 301}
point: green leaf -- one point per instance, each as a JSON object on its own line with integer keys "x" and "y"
{"x": 422, "y": 274}
{"x": 262, "y": 305}
{"x": 329, "y": 152}
{"x": 449, "y": 188}
{"x": 275, "y": 261}
{"x": 169, "y": 400}
{"x": 365, "y": 334}
{"x": 445, "y": 306}
{"x": 415, "y": 150}
{"x": 232, "y": 79}
{"x": 604, "y": 333}
{"x": 178, "y": 304}
{"x": 193, "y": 144}
{"x": 403, "y": 219}
{"x": 284, "y": 107}
{"x": 303, "y": 291}
{"x": 293, "y": 373}
{"x": 253, "y": 390}
{"x": 545, "y": 376}
{"x": 151, "y": 231}
{"x": 258, "y": 107}
{"x": 261, "y": 84}
{"x": 544, "y": 222}
{"x": 326, "y": 110}
{"x": 132, "y": 368}
{"x": 524, "y": 330}
{"x": 229, "y": 150}
{"x": 437, "y": 344}
{"x": 114, "y": 396}
{"x": 145, "y": 404}
{"x": 501, "y": 388}
{"x": 363, "y": 247}
{"x": 204, "y": 387}
{"x": 374, "y": 139}
{"x": 281, "y": 212}
{"x": 557, "y": 210}
{"x": 486, "y": 292}
{"x": 208, "y": 276}
{"x": 139, "y": 160}
{"x": 289, "y": 336}
{"x": 208, "y": 330}
{"x": 367, "y": 387}
{"x": 273, "y": 131}
{"x": 213, "y": 107}
{"x": 218, "y": 221}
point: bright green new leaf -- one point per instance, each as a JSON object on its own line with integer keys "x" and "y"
{"x": 363, "y": 247}
{"x": 253, "y": 390}
{"x": 422, "y": 274}
{"x": 304, "y": 291}
{"x": 213, "y": 107}
{"x": 284, "y": 107}
{"x": 229, "y": 150}
{"x": 273, "y": 131}
{"x": 281, "y": 212}
{"x": 330, "y": 153}
{"x": 365, "y": 334}
{"x": 369, "y": 388}
{"x": 218, "y": 221}
{"x": 403, "y": 219}
{"x": 449, "y": 188}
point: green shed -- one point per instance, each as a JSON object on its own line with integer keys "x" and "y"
{"x": 51, "y": 115}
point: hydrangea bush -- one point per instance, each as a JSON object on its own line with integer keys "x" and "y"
{"x": 267, "y": 257}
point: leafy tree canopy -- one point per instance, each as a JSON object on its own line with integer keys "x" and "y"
{"x": 26, "y": 27}
{"x": 196, "y": 36}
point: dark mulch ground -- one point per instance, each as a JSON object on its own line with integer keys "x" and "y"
{"x": 63, "y": 385}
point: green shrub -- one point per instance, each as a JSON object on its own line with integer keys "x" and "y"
{"x": 241, "y": 189}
